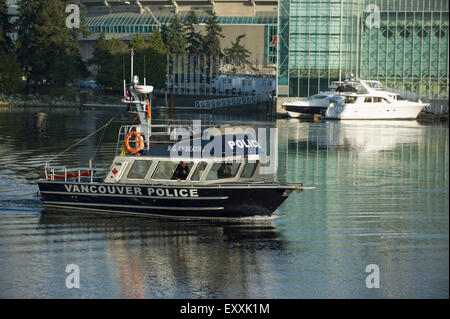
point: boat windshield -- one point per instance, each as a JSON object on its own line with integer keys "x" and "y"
{"x": 223, "y": 170}
{"x": 352, "y": 86}
{"x": 334, "y": 85}
{"x": 318, "y": 97}
{"x": 164, "y": 170}
{"x": 374, "y": 85}
{"x": 168, "y": 170}
{"x": 249, "y": 170}
{"x": 199, "y": 170}
{"x": 336, "y": 100}
{"x": 139, "y": 169}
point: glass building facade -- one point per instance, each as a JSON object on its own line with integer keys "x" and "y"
{"x": 403, "y": 43}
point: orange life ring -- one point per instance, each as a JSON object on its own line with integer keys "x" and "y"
{"x": 148, "y": 110}
{"x": 127, "y": 142}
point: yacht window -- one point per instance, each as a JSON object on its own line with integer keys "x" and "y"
{"x": 165, "y": 170}
{"x": 249, "y": 170}
{"x": 377, "y": 100}
{"x": 318, "y": 97}
{"x": 223, "y": 170}
{"x": 199, "y": 171}
{"x": 336, "y": 100}
{"x": 375, "y": 85}
{"x": 139, "y": 169}
{"x": 368, "y": 100}
{"x": 400, "y": 98}
{"x": 350, "y": 99}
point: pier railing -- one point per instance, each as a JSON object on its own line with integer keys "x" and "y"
{"x": 231, "y": 101}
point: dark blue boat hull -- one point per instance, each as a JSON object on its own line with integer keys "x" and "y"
{"x": 202, "y": 201}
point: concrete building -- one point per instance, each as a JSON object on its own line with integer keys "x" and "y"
{"x": 12, "y": 12}
{"x": 257, "y": 19}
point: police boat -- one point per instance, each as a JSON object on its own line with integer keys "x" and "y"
{"x": 216, "y": 173}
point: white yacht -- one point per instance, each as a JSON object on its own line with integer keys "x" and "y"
{"x": 356, "y": 99}
{"x": 369, "y": 101}
{"x": 315, "y": 104}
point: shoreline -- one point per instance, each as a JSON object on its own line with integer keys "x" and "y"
{"x": 49, "y": 100}
{"x": 61, "y": 101}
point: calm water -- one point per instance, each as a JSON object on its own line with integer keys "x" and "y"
{"x": 382, "y": 198}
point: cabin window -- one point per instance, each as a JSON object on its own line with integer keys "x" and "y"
{"x": 377, "y": 100}
{"x": 350, "y": 99}
{"x": 199, "y": 171}
{"x": 335, "y": 101}
{"x": 223, "y": 170}
{"x": 249, "y": 170}
{"x": 181, "y": 171}
{"x": 368, "y": 100}
{"x": 165, "y": 170}
{"x": 139, "y": 169}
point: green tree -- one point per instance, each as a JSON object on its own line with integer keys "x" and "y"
{"x": 237, "y": 51}
{"x": 101, "y": 52}
{"x": 211, "y": 43}
{"x": 47, "y": 49}
{"x": 164, "y": 33}
{"x": 111, "y": 61}
{"x": 157, "y": 62}
{"x": 6, "y": 44}
{"x": 138, "y": 43}
{"x": 193, "y": 38}
{"x": 101, "y": 58}
{"x": 175, "y": 39}
{"x": 10, "y": 74}
{"x": 150, "y": 58}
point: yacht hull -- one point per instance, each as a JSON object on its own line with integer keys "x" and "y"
{"x": 178, "y": 201}
{"x": 311, "y": 106}
{"x": 363, "y": 112}
{"x": 297, "y": 110}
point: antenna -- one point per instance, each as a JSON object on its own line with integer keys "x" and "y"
{"x": 132, "y": 58}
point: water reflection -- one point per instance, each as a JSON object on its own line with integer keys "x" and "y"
{"x": 353, "y": 135}
{"x": 388, "y": 151}
{"x": 166, "y": 258}
{"x": 381, "y": 197}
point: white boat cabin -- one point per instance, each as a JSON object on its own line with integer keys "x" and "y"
{"x": 154, "y": 170}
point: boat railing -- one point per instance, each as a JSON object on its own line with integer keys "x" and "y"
{"x": 75, "y": 175}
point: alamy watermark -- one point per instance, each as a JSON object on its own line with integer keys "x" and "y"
{"x": 229, "y": 143}
{"x": 373, "y": 19}
{"x": 73, "y": 19}
{"x": 373, "y": 280}
{"x": 73, "y": 279}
